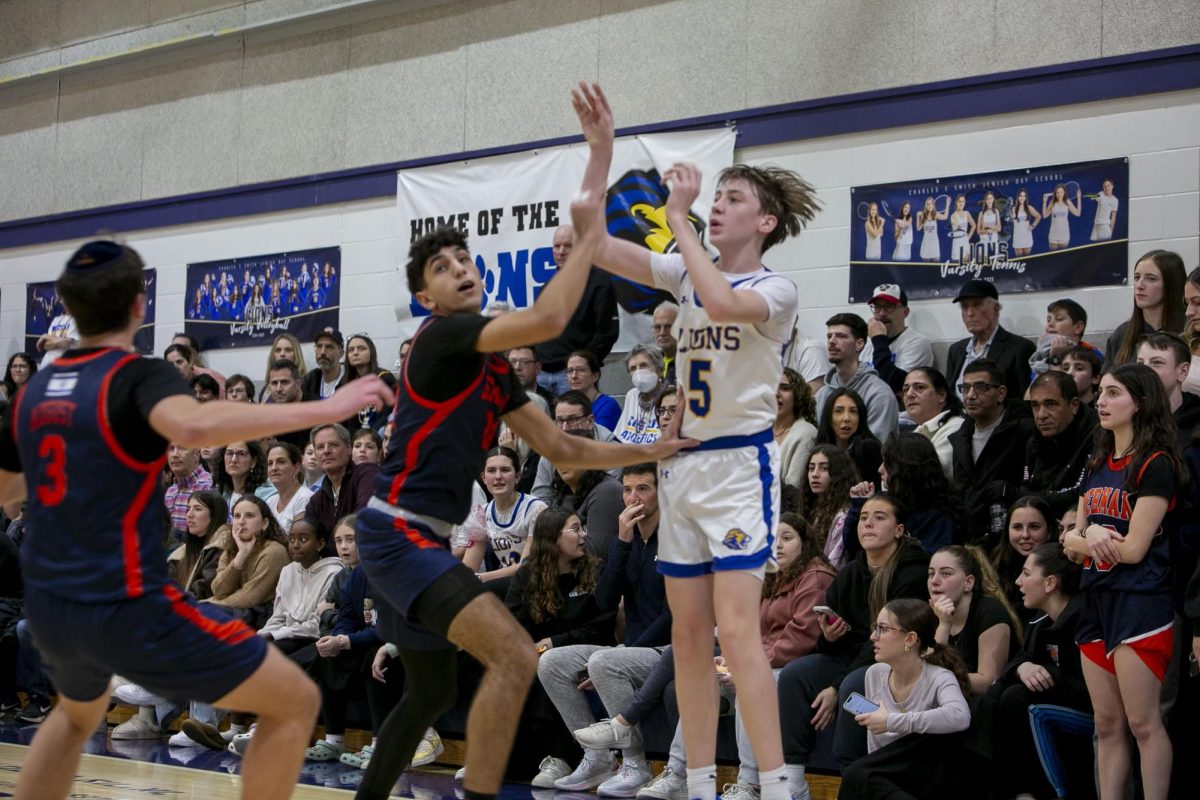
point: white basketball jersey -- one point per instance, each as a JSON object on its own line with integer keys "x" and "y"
{"x": 508, "y": 532}
{"x": 728, "y": 370}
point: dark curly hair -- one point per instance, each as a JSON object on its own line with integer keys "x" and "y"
{"x": 424, "y": 249}
{"x": 256, "y": 477}
{"x": 810, "y": 550}
{"x": 10, "y": 386}
{"x": 804, "y": 405}
{"x": 916, "y": 477}
{"x": 543, "y": 596}
{"x": 270, "y": 529}
{"x": 842, "y": 475}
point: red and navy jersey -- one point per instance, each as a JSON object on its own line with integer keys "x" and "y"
{"x": 93, "y": 474}
{"x": 447, "y": 416}
{"x": 1110, "y": 494}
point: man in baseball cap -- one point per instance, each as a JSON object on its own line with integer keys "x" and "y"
{"x": 322, "y": 381}
{"x": 893, "y": 348}
{"x": 979, "y": 303}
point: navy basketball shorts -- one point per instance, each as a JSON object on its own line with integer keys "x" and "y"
{"x": 165, "y": 642}
{"x": 411, "y": 569}
{"x": 1142, "y": 622}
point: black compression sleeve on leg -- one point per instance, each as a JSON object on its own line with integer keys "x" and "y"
{"x": 429, "y": 691}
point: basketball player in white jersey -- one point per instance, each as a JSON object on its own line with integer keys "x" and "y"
{"x": 720, "y": 501}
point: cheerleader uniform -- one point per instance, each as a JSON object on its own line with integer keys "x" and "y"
{"x": 1022, "y": 234}
{"x": 1128, "y": 604}
{"x": 1060, "y": 230}
{"x": 930, "y": 247}
{"x": 903, "y": 251}
{"x": 959, "y": 242}
{"x": 1102, "y": 228}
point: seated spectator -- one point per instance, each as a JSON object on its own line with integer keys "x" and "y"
{"x": 509, "y": 518}
{"x": 362, "y": 359}
{"x": 831, "y": 475}
{"x": 346, "y": 487}
{"x": 935, "y": 409}
{"x": 20, "y": 368}
{"x": 809, "y": 358}
{"x": 193, "y": 565}
{"x": 285, "y": 347}
{"x": 1168, "y": 355}
{"x": 920, "y": 686}
{"x": 639, "y": 419}
{"x": 294, "y": 625}
{"x": 210, "y": 457}
{"x": 1158, "y": 281}
{"x": 182, "y": 358}
{"x": 813, "y": 688}
{"x": 1066, "y": 321}
{"x": 1056, "y": 458}
{"x": 283, "y": 379}
{"x": 249, "y": 567}
{"x": 347, "y": 650}
{"x": 1042, "y": 689}
{"x": 572, "y": 413}
{"x": 1031, "y": 523}
{"x": 973, "y": 613}
{"x": 526, "y": 366}
{"x": 284, "y": 474}
{"x": 989, "y": 451}
{"x": 187, "y": 476}
{"x": 795, "y": 427}
{"x": 663, "y": 325}
{"x": 322, "y": 381}
{"x": 980, "y": 306}
{"x": 241, "y": 472}
{"x": 583, "y": 375}
{"x": 596, "y": 497}
{"x": 1084, "y": 367}
{"x": 366, "y": 446}
{"x": 846, "y": 336}
{"x": 205, "y": 388}
{"x": 313, "y": 474}
{"x": 239, "y": 389}
{"x": 894, "y": 349}
{"x": 842, "y": 423}
{"x": 629, "y": 580}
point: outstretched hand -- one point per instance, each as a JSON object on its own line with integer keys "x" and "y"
{"x": 669, "y": 443}
{"x": 362, "y": 392}
{"x": 595, "y": 116}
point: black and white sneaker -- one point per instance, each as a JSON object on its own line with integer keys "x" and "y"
{"x": 35, "y": 711}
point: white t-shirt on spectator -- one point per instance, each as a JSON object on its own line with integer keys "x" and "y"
{"x": 293, "y": 510}
{"x": 909, "y": 350}
{"x": 62, "y": 325}
{"x": 636, "y": 425}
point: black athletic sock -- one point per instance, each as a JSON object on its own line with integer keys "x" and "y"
{"x": 429, "y": 691}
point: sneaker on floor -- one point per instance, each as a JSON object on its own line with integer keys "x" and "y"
{"x": 666, "y": 786}
{"x": 133, "y": 695}
{"x": 35, "y": 711}
{"x": 10, "y": 706}
{"x": 428, "y": 750}
{"x": 357, "y": 759}
{"x": 238, "y": 742}
{"x": 204, "y": 734}
{"x": 739, "y": 791}
{"x": 804, "y": 793}
{"x": 595, "y": 768}
{"x": 603, "y": 735}
{"x": 324, "y": 751}
{"x": 632, "y": 776}
{"x": 549, "y": 771}
{"x": 137, "y": 728}
{"x": 181, "y": 739}
{"x": 461, "y": 775}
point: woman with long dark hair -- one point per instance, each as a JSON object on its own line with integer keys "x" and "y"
{"x": 240, "y": 470}
{"x": 1030, "y": 524}
{"x": 795, "y": 429}
{"x": 844, "y": 424}
{"x": 362, "y": 359}
{"x": 1125, "y": 632}
{"x": 21, "y": 367}
{"x": 1158, "y": 279}
{"x": 252, "y": 559}
{"x": 193, "y": 564}
{"x": 831, "y": 475}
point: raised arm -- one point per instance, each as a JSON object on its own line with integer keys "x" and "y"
{"x": 576, "y": 451}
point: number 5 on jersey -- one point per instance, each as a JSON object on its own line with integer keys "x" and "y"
{"x": 698, "y": 390}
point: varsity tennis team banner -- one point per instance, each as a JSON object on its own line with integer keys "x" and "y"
{"x": 510, "y": 205}
{"x": 246, "y": 302}
{"x": 1025, "y": 230}
{"x": 43, "y": 306}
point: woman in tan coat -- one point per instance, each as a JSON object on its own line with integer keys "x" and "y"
{"x": 253, "y": 558}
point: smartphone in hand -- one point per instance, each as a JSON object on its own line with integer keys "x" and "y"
{"x": 857, "y": 704}
{"x": 831, "y": 616}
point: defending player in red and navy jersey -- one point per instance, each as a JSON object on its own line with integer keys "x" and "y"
{"x": 86, "y": 441}
{"x": 1125, "y": 629}
{"x": 454, "y": 392}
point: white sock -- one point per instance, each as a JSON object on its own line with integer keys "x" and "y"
{"x": 147, "y": 713}
{"x": 620, "y": 728}
{"x": 335, "y": 738}
{"x": 235, "y": 728}
{"x": 702, "y": 783}
{"x": 773, "y": 784}
{"x": 373, "y": 741}
{"x": 795, "y": 778}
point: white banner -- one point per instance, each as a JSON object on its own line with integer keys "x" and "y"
{"x": 510, "y": 205}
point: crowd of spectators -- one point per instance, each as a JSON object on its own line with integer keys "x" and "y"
{"x": 940, "y": 516}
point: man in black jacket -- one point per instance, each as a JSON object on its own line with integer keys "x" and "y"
{"x": 980, "y": 307}
{"x": 1056, "y": 459}
{"x": 989, "y": 451}
{"x": 594, "y": 325}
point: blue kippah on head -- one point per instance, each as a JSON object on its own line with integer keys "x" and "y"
{"x": 94, "y": 254}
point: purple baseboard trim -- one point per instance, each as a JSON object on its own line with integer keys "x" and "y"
{"x": 1155, "y": 72}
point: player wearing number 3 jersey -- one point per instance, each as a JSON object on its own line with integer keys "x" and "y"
{"x": 90, "y": 433}
{"x": 720, "y": 500}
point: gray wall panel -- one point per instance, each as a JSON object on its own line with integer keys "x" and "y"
{"x": 27, "y": 149}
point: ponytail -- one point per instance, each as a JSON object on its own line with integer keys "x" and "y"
{"x": 946, "y": 657}
{"x": 917, "y": 617}
{"x": 973, "y": 561}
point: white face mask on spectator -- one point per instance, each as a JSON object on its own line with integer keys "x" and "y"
{"x": 644, "y": 380}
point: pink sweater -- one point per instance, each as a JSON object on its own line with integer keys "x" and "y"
{"x": 788, "y": 625}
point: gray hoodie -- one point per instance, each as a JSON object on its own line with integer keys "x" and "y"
{"x": 882, "y": 412}
{"x": 297, "y": 595}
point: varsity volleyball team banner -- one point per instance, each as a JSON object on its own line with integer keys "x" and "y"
{"x": 510, "y": 205}
{"x": 43, "y": 306}
{"x": 246, "y": 302}
{"x": 1025, "y": 230}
